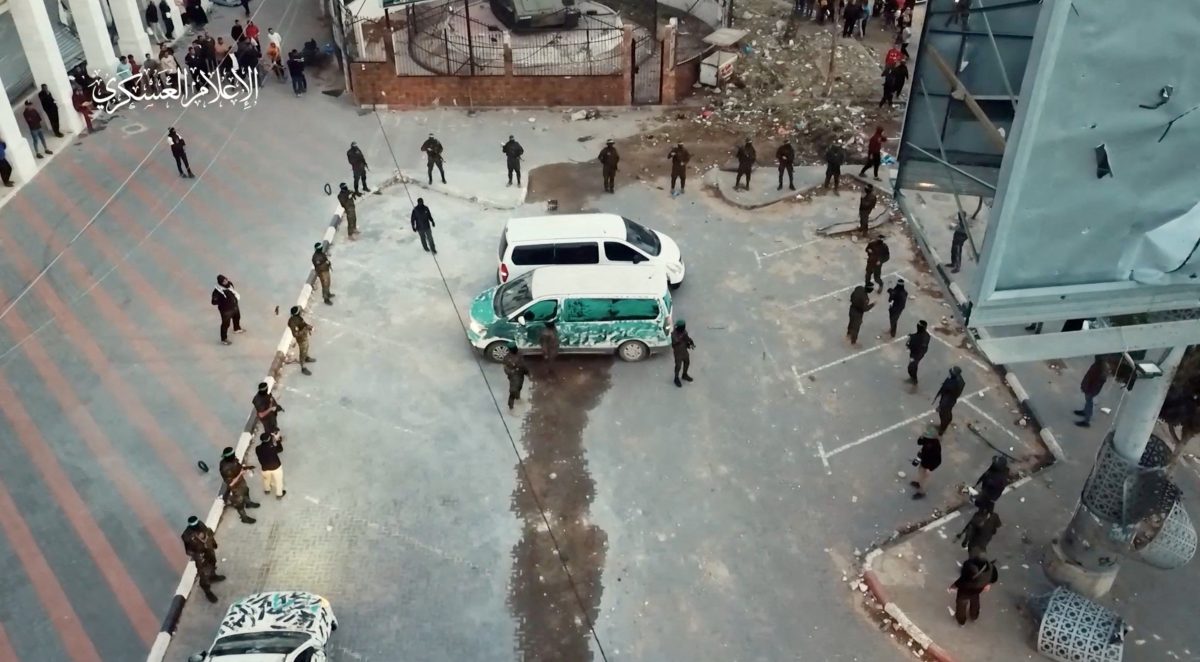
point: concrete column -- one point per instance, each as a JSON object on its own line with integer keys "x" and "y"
{"x": 45, "y": 60}
{"x": 131, "y": 28}
{"x": 92, "y": 28}
{"x": 18, "y": 151}
{"x": 1139, "y": 413}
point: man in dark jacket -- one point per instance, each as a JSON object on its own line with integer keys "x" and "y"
{"x": 918, "y": 345}
{"x": 897, "y": 299}
{"x": 874, "y": 153}
{"x": 358, "y": 166}
{"x": 512, "y": 159}
{"x": 422, "y": 224}
{"x": 947, "y": 396}
{"x": 609, "y": 158}
{"x": 978, "y": 532}
{"x": 5, "y": 166}
{"x": 1093, "y": 382}
{"x": 179, "y": 151}
{"x": 515, "y": 371}
{"x": 866, "y": 205}
{"x": 295, "y": 65}
{"x": 976, "y": 577}
{"x": 835, "y": 156}
{"x": 679, "y": 157}
{"x": 992, "y": 482}
{"x": 746, "y": 156}
{"x": 859, "y": 305}
{"x": 956, "y": 244}
{"x": 267, "y": 451}
{"x": 877, "y": 253}
{"x": 433, "y": 157}
{"x": 929, "y": 458}
{"x": 785, "y": 156}
{"x": 200, "y": 544}
{"x": 36, "y": 133}
{"x": 681, "y": 346}
{"x": 50, "y": 107}
{"x": 225, "y": 298}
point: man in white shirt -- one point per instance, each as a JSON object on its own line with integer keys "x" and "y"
{"x": 275, "y": 38}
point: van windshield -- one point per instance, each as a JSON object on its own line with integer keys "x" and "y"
{"x": 514, "y": 294}
{"x": 642, "y": 237}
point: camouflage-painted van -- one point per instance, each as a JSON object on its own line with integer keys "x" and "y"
{"x": 597, "y": 309}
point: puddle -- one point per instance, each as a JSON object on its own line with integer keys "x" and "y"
{"x": 571, "y": 184}
{"x": 543, "y": 599}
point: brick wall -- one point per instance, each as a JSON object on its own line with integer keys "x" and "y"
{"x": 377, "y": 83}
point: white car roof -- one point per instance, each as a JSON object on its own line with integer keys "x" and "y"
{"x": 287, "y": 611}
{"x": 600, "y": 280}
{"x": 565, "y": 227}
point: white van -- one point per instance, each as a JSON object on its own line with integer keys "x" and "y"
{"x": 538, "y": 241}
{"x": 601, "y": 309}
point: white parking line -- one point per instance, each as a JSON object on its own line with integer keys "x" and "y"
{"x": 799, "y": 382}
{"x": 908, "y": 421}
{"x": 991, "y": 420}
{"x": 788, "y": 249}
{"x": 972, "y": 359}
{"x": 834, "y": 293}
{"x": 845, "y": 358}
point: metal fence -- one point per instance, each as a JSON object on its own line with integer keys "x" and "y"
{"x": 464, "y": 38}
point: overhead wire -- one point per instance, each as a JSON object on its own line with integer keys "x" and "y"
{"x": 525, "y": 476}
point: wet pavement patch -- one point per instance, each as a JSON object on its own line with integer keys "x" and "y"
{"x": 554, "y": 480}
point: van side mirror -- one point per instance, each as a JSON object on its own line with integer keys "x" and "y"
{"x": 638, "y": 258}
{"x": 198, "y": 657}
{"x": 522, "y": 320}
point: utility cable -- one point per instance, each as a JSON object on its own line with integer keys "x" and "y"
{"x": 500, "y": 414}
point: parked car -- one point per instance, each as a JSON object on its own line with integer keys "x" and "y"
{"x": 282, "y": 626}
{"x": 530, "y": 14}
{"x": 538, "y": 241}
{"x": 596, "y": 309}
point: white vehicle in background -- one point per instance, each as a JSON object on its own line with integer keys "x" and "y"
{"x": 579, "y": 239}
{"x": 282, "y": 626}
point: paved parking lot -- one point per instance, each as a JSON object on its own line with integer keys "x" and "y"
{"x": 716, "y": 521}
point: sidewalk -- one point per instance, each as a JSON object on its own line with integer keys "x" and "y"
{"x": 1159, "y": 605}
{"x": 913, "y": 573}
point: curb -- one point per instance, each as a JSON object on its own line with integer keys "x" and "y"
{"x": 903, "y": 622}
{"x": 877, "y": 590}
{"x": 1044, "y": 432}
{"x": 175, "y": 610}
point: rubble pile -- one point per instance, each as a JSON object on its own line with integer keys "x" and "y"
{"x": 781, "y": 82}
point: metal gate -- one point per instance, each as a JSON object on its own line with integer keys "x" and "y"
{"x": 647, "y": 63}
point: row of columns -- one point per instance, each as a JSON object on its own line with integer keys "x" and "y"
{"x": 36, "y": 31}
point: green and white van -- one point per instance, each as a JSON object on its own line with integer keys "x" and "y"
{"x": 597, "y": 309}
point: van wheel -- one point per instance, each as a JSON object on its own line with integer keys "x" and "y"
{"x": 633, "y": 351}
{"x": 674, "y": 286}
{"x": 497, "y": 351}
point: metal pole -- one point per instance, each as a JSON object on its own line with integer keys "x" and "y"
{"x": 1084, "y": 558}
{"x": 470, "y": 40}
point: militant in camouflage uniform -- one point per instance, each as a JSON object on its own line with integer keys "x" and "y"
{"x": 433, "y": 157}
{"x": 346, "y": 199}
{"x": 746, "y": 156}
{"x": 300, "y": 331}
{"x": 679, "y": 157}
{"x": 512, "y": 156}
{"x": 320, "y": 262}
{"x": 515, "y": 370}
{"x": 859, "y": 305}
{"x": 200, "y": 544}
{"x": 238, "y": 495}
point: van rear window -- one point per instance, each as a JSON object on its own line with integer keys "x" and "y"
{"x": 583, "y": 253}
{"x": 608, "y": 310}
{"x": 533, "y": 254}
